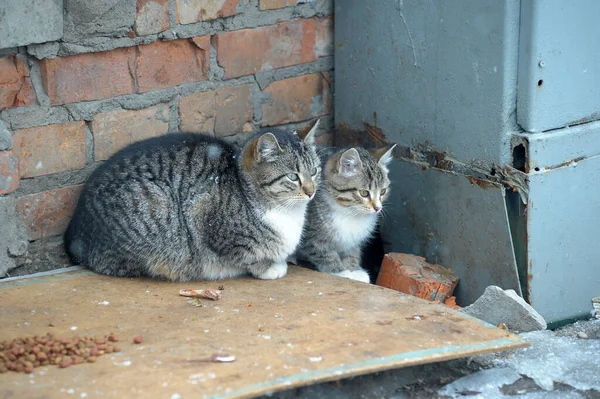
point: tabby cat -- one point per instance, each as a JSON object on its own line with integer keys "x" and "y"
{"x": 344, "y": 213}
{"x": 190, "y": 207}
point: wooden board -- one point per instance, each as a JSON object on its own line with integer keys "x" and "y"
{"x": 305, "y": 328}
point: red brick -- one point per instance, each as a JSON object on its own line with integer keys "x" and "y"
{"x": 86, "y": 77}
{"x": 221, "y": 112}
{"x": 412, "y": 275}
{"x": 247, "y": 51}
{"x": 152, "y": 17}
{"x": 114, "y": 130}
{"x": 273, "y": 4}
{"x": 190, "y": 11}
{"x": 297, "y": 99}
{"x": 9, "y": 172}
{"x": 166, "y": 64}
{"x": 50, "y": 149}
{"x": 15, "y": 84}
{"x": 48, "y": 214}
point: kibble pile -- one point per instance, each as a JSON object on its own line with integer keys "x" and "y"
{"x": 24, "y": 354}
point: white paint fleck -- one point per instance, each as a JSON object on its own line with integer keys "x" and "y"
{"x": 266, "y": 336}
{"x": 176, "y": 396}
{"x": 310, "y": 282}
{"x": 268, "y": 368}
{"x": 73, "y": 328}
{"x": 340, "y": 309}
{"x": 104, "y": 303}
{"x": 313, "y": 314}
{"x": 39, "y": 165}
{"x": 70, "y": 391}
{"x": 320, "y": 294}
{"x": 271, "y": 298}
{"x": 165, "y": 384}
{"x": 316, "y": 358}
{"x": 83, "y": 395}
{"x": 206, "y": 331}
{"x": 212, "y": 375}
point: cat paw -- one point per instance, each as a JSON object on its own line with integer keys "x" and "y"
{"x": 277, "y": 270}
{"x": 358, "y": 275}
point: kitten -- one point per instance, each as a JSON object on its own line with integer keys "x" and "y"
{"x": 189, "y": 207}
{"x": 344, "y": 213}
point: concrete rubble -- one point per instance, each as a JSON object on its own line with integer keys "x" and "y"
{"x": 504, "y": 306}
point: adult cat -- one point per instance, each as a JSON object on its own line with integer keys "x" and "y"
{"x": 188, "y": 207}
{"x": 343, "y": 215}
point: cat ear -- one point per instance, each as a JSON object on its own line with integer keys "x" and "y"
{"x": 350, "y": 163}
{"x": 267, "y": 148}
{"x": 384, "y": 155}
{"x": 307, "y": 133}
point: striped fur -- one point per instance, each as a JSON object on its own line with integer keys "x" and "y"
{"x": 190, "y": 207}
{"x": 340, "y": 220}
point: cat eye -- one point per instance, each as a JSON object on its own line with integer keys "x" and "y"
{"x": 293, "y": 177}
{"x": 383, "y": 191}
{"x": 313, "y": 172}
{"x": 364, "y": 193}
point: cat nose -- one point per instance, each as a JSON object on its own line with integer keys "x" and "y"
{"x": 377, "y": 208}
{"x": 309, "y": 192}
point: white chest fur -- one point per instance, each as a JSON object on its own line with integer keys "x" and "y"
{"x": 289, "y": 224}
{"x": 351, "y": 231}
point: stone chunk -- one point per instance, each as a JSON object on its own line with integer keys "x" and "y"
{"x": 6, "y": 140}
{"x": 412, "y": 275}
{"x": 504, "y": 306}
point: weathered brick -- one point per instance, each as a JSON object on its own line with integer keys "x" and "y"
{"x": 48, "y": 214}
{"x": 152, "y": 16}
{"x": 114, "y": 130}
{"x": 273, "y": 4}
{"x": 86, "y": 77}
{"x": 247, "y": 51}
{"x": 412, "y": 275}
{"x": 167, "y": 64}
{"x": 190, "y": 11}
{"x": 50, "y": 149}
{"x": 222, "y": 112}
{"x": 9, "y": 172}
{"x": 297, "y": 99}
{"x": 15, "y": 84}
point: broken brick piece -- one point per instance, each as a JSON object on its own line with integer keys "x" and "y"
{"x": 451, "y": 302}
{"x": 412, "y": 275}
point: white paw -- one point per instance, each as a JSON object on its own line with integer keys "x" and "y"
{"x": 361, "y": 275}
{"x": 358, "y": 275}
{"x": 277, "y": 270}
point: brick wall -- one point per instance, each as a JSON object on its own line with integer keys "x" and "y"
{"x": 81, "y": 79}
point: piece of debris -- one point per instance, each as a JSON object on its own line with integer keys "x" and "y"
{"x": 215, "y": 295}
{"x": 582, "y": 335}
{"x": 221, "y": 288}
{"x": 505, "y": 306}
{"x": 412, "y": 275}
{"x": 138, "y": 340}
{"x": 451, "y": 302}
{"x": 216, "y": 358}
{"x": 596, "y": 307}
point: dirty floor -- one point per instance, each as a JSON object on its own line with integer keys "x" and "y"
{"x": 301, "y": 330}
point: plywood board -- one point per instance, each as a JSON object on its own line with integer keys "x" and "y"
{"x": 305, "y": 328}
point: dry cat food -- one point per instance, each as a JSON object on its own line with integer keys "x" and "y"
{"x": 24, "y": 354}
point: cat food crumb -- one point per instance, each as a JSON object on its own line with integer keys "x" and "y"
{"x": 215, "y": 295}
{"x": 138, "y": 340}
{"x": 221, "y": 288}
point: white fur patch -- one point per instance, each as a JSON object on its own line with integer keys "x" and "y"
{"x": 289, "y": 224}
{"x": 277, "y": 270}
{"x": 352, "y": 231}
{"x": 358, "y": 275}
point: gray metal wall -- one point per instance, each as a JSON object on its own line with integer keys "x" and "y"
{"x": 456, "y": 85}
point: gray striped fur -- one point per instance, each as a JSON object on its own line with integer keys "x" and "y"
{"x": 340, "y": 220}
{"x": 191, "y": 207}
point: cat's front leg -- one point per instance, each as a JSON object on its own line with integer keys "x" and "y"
{"x": 268, "y": 270}
{"x": 353, "y": 268}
